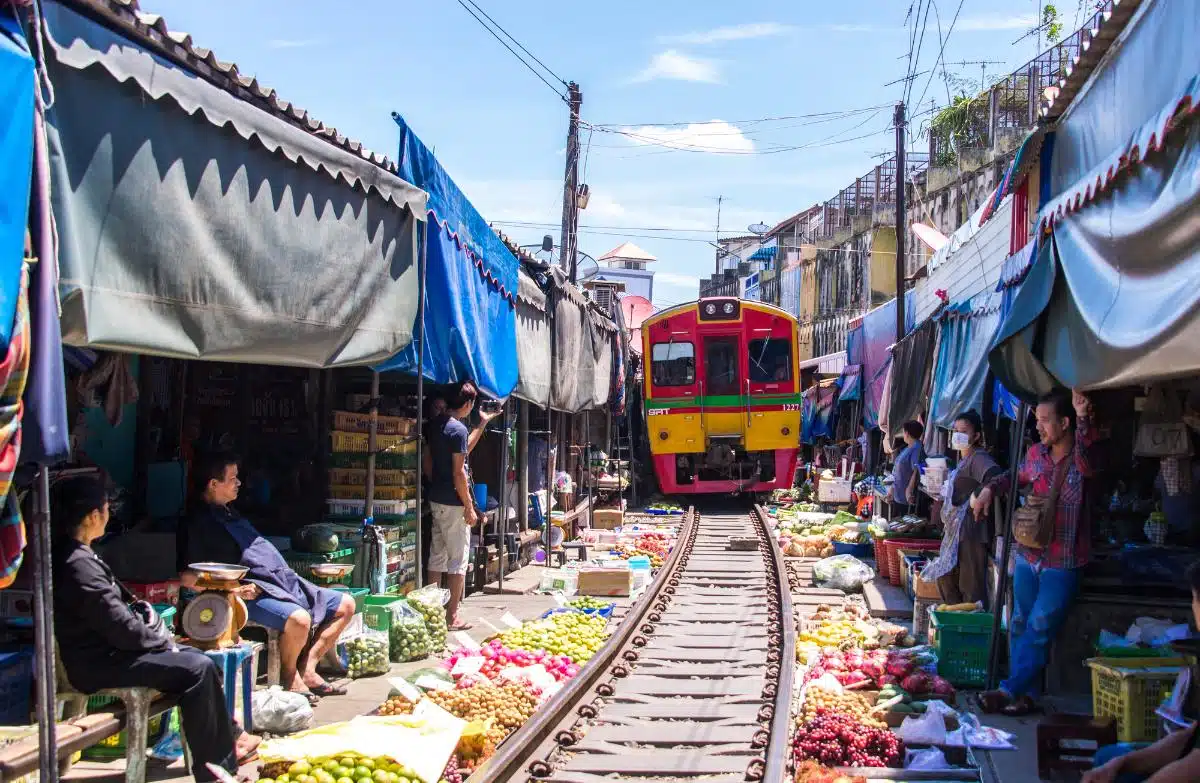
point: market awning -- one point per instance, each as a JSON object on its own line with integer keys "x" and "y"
{"x": 583, "y": 349}
{"x": 961, "y": 371}
{"x": 764, "y": 253}
{"x": 912, "y": 362}
{"x": 829, "y": 364}
{"x": 817, "y": 410}
{"x": 850, "y": 384}
{"x": 471, "y": 285}
{"x": 196, "y": 224}
{"x": 533, "y": 342}
{"x": 16, "y": 164}
{"x": 870, "y": 344}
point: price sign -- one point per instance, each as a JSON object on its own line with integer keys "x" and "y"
{"x": 509, "y": 620}
{"x": 405, "y": 689}
{"x": 431, "y": 683}
{"x": 465, "y": 641}
{"x": 468, "y": 665}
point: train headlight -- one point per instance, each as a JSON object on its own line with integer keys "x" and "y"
{"x": 728, "y": 308}
{"x": 786, "y": 431}
{"x": 662, "y": 435}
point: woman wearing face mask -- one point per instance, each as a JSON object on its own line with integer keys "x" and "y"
{"x": 961, "y": 565}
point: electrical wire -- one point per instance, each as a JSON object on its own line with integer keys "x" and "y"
{"x": 942, "y": 52}
{"x": 508, "y": 35}
{"x": 535, "y": 224}
{"x": 562, "y": 96}
{"x": 825, "y": 142}
{"x": 755, "y": 121}
{"x": 917, "y": 57}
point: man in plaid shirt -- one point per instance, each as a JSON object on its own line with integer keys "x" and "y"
{"x": 1045, "y": 580}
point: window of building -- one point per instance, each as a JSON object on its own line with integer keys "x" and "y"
{"x": 770, "y": 360}
{"x": 673, "y": 364}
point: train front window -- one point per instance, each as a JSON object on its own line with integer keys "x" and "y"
{"x": 673, "y": 364}
{"x": 721, "y": 366}
{"x": 770, "y": 360}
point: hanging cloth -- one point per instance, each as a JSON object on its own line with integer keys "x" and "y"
{"x": 109, "y": 384}
{"x": 953, "y": 518}
{"x": 13, "y": 372}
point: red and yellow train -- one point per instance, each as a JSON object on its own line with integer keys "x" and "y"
{"x": 722, "y": 396}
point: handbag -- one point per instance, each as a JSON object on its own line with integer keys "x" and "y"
{"x": 148, "y": 615}
{"x": 1163, "y": 431}
{"x": 1033, "y": 523}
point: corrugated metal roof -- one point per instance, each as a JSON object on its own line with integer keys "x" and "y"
{"x": 150, "y": 30}
{"x": 1098, "y": 39}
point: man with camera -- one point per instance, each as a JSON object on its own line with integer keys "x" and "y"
{"x": 450, "y": 496}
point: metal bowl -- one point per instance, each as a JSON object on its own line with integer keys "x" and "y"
{"x": 330, "y": 570}
{"x": 219, "y": 570}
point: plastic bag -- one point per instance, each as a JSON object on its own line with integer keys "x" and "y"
{"x": 365, "y": 654}
{"x": 408, "y": 636}
{"x": 430, "y": 601}
{"x": 280, "y": 712}
{"x": 930, "y": 758}
{"x": 1153, "y": 632}
{"x": 842, "y": 572}
{"x": 927, "y": 729}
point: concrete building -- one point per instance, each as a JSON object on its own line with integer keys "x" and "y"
{"x": 625, "y": 269}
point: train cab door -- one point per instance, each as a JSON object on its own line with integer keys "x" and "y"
{"x": 772, "y": 402}
{"x": 722, "y": 385}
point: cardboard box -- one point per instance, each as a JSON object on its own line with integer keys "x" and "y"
{"x": 833, "y": 491}
{"x": 609, "y": 582}
{"x": 607, "y": 518}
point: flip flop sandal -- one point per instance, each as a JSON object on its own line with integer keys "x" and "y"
{"x": 993, "y": 702}
{"x": 461, "y": 627}
{"x": 325, "y": 689}
{"x": 313, "y": 698}
{"x": 1020, "y": 708}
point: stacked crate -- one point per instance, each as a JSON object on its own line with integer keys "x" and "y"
{"x": 395, "y": 486}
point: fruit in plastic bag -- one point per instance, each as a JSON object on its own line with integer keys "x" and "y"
{"x": 366, "y": 654}
{"x": 408, "y": 636}
{"x": 430, "y": 602}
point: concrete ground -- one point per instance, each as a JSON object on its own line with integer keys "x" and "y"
{"x": 482, "y": 610}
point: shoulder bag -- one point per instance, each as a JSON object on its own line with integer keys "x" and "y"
{"x": 148, "y": 615}
{"x": 1033, "y": 523}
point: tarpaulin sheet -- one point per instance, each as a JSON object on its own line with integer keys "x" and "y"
{"x": 583, "y": 350}
{"x": 817, "y": 411}
{"x": 912, "y": 362}
{"x": 1004, "y": 402}
{"x": 533, "y": 343}
{"x": 1149, "y": 69}
{"x": 1115, "y": 292}
{"x": 471, "y": 285}
{"x": 960, "y": 373}
{"x": 16, "y": 164}
{"x": 878, "y": 335}
{"x": 196, "y": 225}
{"x": 850, "y": 384}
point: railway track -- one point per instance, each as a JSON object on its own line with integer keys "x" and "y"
{"x": 694, "y": 685}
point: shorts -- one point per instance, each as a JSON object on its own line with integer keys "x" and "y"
{"x": 451, "y": 550}
{"x": 273, "y": 613}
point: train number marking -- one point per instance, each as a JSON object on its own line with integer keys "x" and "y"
{"x": 791, "y": 406}
{"x": 657, "y": 411}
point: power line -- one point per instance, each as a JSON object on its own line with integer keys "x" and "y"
{"x": 508, "y": 35}
{"x": 504, "y": 43}
{"x": 826, "y": 142}
{"x": 780, "y": 118}
{"x": 920, "y": 45}
{"x": 942, "y": 52}
{"x": 623, "y": 228}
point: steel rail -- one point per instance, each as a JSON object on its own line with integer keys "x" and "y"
{"x": 650, "y": 637}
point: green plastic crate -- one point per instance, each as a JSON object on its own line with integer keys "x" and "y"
{"x": 359, "y": 594}
{"x": 377, "y": 613}
{"x": 384, "y": 461}
{"x": 962, "y": 641}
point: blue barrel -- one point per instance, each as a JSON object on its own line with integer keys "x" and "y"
{"x": 481, "y": 493}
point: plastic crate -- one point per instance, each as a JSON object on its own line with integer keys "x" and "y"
{"x": 377, "y": 611}
{"x": 345, "y": 421}
{"x": 384, "y": 477}
{"x": 856, "y": 550}
{"x": 357, "y": 442}
{"x": 1130, "y": 690}
{"x": 359, "y": 492}
{"x": 384, "y": 461}
{"x": 16, "y": 682}
{"x": 962, "y": 642}
{"x": 891, "y": 554}
{"x": 357, "y": 507}
{"x": 359, "y": 594}
{"x": 113, "y": 747}
{"x": 300, "y": 561}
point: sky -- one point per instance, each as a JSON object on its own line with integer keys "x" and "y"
{"x": 682, "y": 99}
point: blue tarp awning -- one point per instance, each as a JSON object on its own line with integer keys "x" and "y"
{"x": 961, "y": 370}
{"x": 471, "y": 285}
{"x": 764, "y": 253}
{"x": 870, "y": 349}
{"x": 16, "y": 165}
{"x": 849, "y": 384}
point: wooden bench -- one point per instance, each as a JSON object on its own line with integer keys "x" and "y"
{"x": 21, "y": 758}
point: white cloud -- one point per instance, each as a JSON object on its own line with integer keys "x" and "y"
{"x": 673, "y": 279}
{"x": 672, "y": 65}
{"x": 713, "y": 136}
{"x": 985, "y": 22}
{"x": 853, "y": 28}
{"x": 290, "y": 43}
{"x": 739, "y": 32}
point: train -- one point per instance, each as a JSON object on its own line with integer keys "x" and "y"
{"x": 721, "y": 396}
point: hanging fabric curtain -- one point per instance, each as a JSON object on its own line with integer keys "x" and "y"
{"x": 533, "y": 342}
{"x": 960, "y": 375}
{"x": 471, "y": 285}
{"x": 878, "y": 335}
{"x": 817, "y": 409}
{"x": 198, "y": 225}
{"x": 16, "y": 164}
{"x": 912, "y": 362}
{"x": 1012, "y": 274}
{"x": 850, "y": 384}
{"x": 583, "y": 352}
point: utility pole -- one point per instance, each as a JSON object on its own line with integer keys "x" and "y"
{"x": 901, "y": 220}
{"x": 570, "y": 213}
{"x": 719, "y": 256}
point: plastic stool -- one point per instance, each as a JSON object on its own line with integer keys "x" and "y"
{"x": 578, "y": 547}
{"x": 237, "y": 663}
{"x": 274, "y": 664}
{"x": 1054, "y": 730}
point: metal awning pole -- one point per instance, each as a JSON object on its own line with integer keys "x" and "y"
{"x": 43, "y": 629}
{"x": 372, "y": 446}
{"x": 502, "y": 510}
{"x": 551, "y": 312}
{"x": 1014, "y": 470}
{"x": 422, "y": 242}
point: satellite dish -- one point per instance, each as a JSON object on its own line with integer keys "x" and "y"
{"x": 758, "y": 228}
{"x": 635, "y": 309}
{"x": 586, "y": 267}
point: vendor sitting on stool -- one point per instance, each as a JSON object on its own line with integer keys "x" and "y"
{"x": 276, "y": 597}
{"x": 1173, "y": 759}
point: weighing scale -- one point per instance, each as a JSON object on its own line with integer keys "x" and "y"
{"x": 214, "y": 617}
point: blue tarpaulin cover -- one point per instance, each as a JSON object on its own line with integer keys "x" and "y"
{"x": 16, "y": 165}
{"x": 961, "y": 370}
{"x": 878, "y": 333}
{"x": 471, "y": 285}
{"x": 817, "y": 411}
